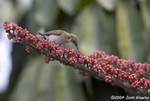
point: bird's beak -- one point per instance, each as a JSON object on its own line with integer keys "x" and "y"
{"x": 76, "y": 45}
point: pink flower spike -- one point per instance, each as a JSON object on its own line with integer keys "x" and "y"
{"x": 126, "y": 74}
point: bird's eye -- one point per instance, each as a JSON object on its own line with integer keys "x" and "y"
{"x": 70, "y": 38}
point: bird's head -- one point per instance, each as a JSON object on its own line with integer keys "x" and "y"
{"x": 74, "y": 39}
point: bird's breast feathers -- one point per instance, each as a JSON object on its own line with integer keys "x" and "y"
{"x": 56, "y": 39}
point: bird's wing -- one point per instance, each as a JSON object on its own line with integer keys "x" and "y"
{"x": 55, "y": 32}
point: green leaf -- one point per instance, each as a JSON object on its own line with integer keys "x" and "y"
{"x": 46, "y": 12}
{"x": 95, "y": 29}
{"x": 107, "y": 4}
{"x": 87, "y": 29}
{"x": 25, "y": 89}
{"x": 44, "y": 88}
{"x": 7, "y": 11}
{"x": 67, "y": 85}
{"x": 47, "y": 82}
{"x": 68, "y": 6}
{"x": 107, "y": 35}
{"x": 84, "y": 3}
{"x": 36, "y": 82}
{"x": 145, "y": 9}
{"x": 128, "y": 30}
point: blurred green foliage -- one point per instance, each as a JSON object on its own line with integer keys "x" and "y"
{"x": 120, "y": 27}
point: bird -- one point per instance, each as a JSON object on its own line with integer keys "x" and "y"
{"x": 60, "y": 37}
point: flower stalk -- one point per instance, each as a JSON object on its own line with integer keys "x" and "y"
{"x": 127, "y": 74}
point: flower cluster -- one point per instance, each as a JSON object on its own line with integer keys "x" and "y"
{"x": 126, "y": 74}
